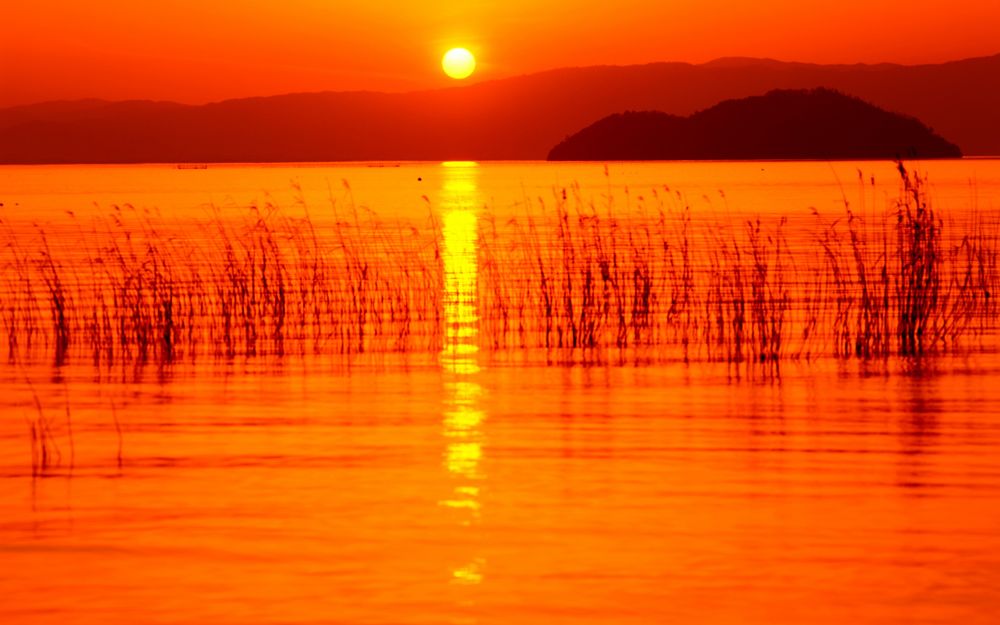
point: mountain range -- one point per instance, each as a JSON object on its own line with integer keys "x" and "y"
{"x": 513, "y": 118}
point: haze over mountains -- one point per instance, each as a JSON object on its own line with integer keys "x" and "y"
{"x": 515, "y": 118}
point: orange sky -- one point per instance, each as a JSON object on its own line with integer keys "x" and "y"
{"x": 203, "y": 50}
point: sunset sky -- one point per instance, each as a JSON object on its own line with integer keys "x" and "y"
{"x": 204, "y": 50}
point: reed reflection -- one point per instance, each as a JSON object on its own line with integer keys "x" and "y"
{"x": 463, "y": 415}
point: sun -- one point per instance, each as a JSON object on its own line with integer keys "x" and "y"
{"x": 458, "y": 63}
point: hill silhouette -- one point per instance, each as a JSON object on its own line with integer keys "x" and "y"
{"x": 783, "y": 124}
{"x": 515, "y": 118}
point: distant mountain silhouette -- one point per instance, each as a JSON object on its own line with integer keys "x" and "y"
{"x": 783, "y": 124}
{"x": 515, "y": 118}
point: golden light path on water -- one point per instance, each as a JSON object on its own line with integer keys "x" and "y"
{"x": 463, "y": 415}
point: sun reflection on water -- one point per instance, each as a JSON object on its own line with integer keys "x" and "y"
{"x": 463, "y": 416}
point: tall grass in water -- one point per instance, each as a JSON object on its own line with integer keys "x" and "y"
{"x": 652, "y": 279}
{"x": 584, "y": 276}
{"x": 911, "y": 283}
{"x": 132, "y": 289}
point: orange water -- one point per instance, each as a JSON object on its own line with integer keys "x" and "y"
{"x": 473, "y": 487}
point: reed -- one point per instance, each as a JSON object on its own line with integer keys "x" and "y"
{"x": 45, "y": 453}
{"x": 902, "y": 283}
{"x": 570, "y": 275}
{"x": 263, "y": 285}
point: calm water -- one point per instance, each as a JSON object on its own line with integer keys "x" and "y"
{"x": 467, "y": 486}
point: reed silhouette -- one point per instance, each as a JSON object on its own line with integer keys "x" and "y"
{"x": 577, "y": 274}
{"x": 585, "y": 278}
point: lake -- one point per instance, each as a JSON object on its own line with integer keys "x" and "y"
{"x": 500, "y": 392}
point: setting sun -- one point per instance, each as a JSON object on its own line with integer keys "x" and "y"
{"x": 458, "y": 63}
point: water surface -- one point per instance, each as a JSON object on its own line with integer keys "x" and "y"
{"x": 466, "y": 485}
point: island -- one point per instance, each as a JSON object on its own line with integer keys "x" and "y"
{"x": 801, "y": 124}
